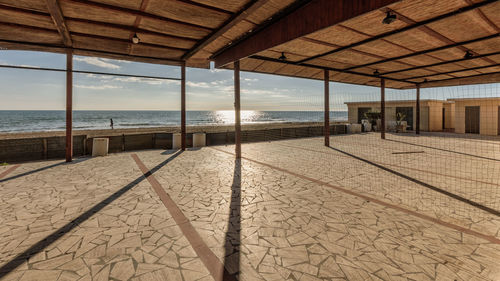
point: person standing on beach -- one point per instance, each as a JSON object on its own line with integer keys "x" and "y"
{"x": 111, "y": 123}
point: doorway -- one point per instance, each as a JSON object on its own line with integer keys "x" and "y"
{"x": 472, "y": 119}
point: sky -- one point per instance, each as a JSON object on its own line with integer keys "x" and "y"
{"x": 207, "y": 89}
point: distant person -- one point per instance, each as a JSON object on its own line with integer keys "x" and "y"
{"x": 111, "y": 123}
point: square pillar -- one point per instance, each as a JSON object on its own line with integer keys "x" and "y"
{"x": 382, "y": 108}
{"x": 417, "y": 106}
{"x": 237, "y": 109}
{"x": 327, "y": 107}
{"x": 183, "y": 106}
{"x": 69, "y": 106}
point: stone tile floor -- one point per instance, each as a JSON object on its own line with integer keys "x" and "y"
{"x": 290, "y": 210}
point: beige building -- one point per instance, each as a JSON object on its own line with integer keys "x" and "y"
{"x": 468, "y": 115}
{"x": 477, "y": 116}
{"x": 431, "y": 113}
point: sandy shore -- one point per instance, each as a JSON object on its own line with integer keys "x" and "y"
{"x": 170, "y": 129}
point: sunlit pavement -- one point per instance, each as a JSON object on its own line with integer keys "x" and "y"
{"x": 289, "y": 210}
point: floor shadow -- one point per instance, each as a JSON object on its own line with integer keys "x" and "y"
{"x": 437, "y": 189}
{"x": 446, "y": 150}
{"x": 75, "y": 161}
{"x": 233, "y": 234}
{"x": 169, "y": 151}
{"x": 54, "y": 236}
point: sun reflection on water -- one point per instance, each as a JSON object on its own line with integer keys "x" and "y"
{"x": 228, "y": 116}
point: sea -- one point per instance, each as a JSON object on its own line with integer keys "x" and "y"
{"x": 16, "y": 121}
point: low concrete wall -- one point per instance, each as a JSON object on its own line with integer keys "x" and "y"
{"x": 30, "y": 149}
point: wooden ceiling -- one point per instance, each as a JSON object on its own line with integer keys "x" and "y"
{"x": 426, "y": 44}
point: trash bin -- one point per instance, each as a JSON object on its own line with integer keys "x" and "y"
{"x": 199, "y": 139}
{"x": 100, "y": 147}
{"x": 176, "y": 141}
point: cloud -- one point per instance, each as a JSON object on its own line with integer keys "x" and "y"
{"x": 104, "y": 63}
{"x": 250, "y": 79}
{"x": 97, "y": 87}
{"x": 149, "y": 81}
{"x": 198, "y": 84}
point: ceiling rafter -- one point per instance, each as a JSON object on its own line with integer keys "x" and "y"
{"x": 62, "y": 49}
{"x": 431, "y": 32}
{"x": 425, "y": 51}
{"x": 397, "y": 31}
{"x": 441, "y": 63}
{"x": 484, "y": 17}
{"x": 87, "y": 35}
{"x": 58, "y": 19}
{"x": 391, "y": 43}
{"x": 98, "y": 23}
{"x": 453, "y": 71}
{"x": 329, "y": 68}
{"x": 208, "y": 7}
{"x": 249, "y": 8}
{"x": 133, "y": 12}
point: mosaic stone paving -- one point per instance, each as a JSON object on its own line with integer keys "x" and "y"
{"x": 272, "y": 216}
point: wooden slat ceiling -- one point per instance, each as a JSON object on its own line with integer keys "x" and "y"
{"x": 174, "y": 30}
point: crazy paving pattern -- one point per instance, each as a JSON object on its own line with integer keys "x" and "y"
{"x": 271, "y": 216}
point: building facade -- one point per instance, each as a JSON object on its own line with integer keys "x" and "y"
{"x": 464, "y": 116}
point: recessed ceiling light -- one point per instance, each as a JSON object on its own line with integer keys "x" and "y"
{"x": 389, "y": 18}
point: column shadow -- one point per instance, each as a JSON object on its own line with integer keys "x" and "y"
{"x": 75, "y": 161}
{"x": 54, "y": 236}
{"x": 233, "y": 234}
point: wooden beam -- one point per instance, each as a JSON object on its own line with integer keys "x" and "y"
{"x": 417, "y": 125}
{"x": 443, "y": 62}
{"x": 22, "y": 45}
{"x": 327, "y": 107}
{"x": 70, "y": 20}
{"x": 454, "y": 71}
{"x": 183, "y": 106}
{"x": 404, "y": 29}
{"x": 431, "y": 32}
{"x": 69, "y": 106}
{"x": 248, "y": 9}
{"x": 58, "y": 18}
{"x": 424, "y": 52}
{"x": 133, "y": 12}
{"x": 328, "y": 68}
{"x": 382, "y": 108}
{"x": 311, "y": 17}
{"x": 237, "y": 109}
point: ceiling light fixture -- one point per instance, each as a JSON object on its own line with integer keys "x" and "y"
{"x": 389, "y": 18}
{"x": 283, "y": 57}
{"x": 376, "y": 73}
{"x": 468, "y": 55}
{"x": 136, "y": 39}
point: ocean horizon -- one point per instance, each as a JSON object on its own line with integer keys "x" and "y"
{"x": 17, "y": 121}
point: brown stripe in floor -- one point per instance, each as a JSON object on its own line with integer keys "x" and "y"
{"x": 8, "y": 171}
{"x": 374, "y": 200}
{"x": 209, "y": 259}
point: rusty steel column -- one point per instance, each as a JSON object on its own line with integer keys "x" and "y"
{"x": 382, "y": 108}
{"x": 327, "y": 107}
{"x": 183, "y": 106}
{"x": 417, "y": 125}
{"x": 69, "y": 106}
{"x": 237, "y": 108}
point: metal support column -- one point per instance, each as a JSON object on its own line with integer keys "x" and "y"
{"x": 382, "y": 108}
{"x": 69, "y": 106}
{"x": 183, "y": 106}
{"x": 327, "y": 107}
{"x": 237, "y": 119}
{"x": 417, "y": 125}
